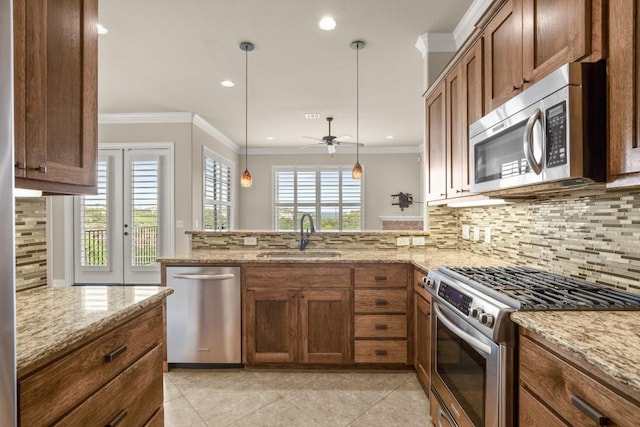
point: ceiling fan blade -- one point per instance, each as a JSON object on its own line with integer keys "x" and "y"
{"x": 311, "y": 137}
{"x": 360, "y": 144}
{"x": 343, "y": 137}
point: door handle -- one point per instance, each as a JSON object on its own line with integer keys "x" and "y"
{"x": 189, "y": 276}
{"x": 527, "y": 142}
{"x": 472, "y": 341}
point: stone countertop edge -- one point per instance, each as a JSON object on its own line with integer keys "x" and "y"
{"x": 428, "y": 259}
{"x": 606, "y": 340}
{"x": 51, "y": 319}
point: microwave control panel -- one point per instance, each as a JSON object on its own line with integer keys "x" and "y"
{"x": 556, "y": 134}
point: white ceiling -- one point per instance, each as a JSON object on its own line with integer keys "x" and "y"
{"x": 169, "y": 55}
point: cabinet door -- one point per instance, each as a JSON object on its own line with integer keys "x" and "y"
{"x": 554, "y": 32}
{"x": 423, "y": 340}
{"x": 271, "y": 317}
{"x": 503, "y": 49}
{"x": 456, "y": 151}
{"x": 57, "y": 78}
{"x": 325, "y": 326}
{"x": 624, "y": 92}
{"x": 436, "y": 134}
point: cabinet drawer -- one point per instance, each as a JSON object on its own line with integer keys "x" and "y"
{"x": 57, "y": 388}
{"x": 380, "y": 301}
{"x": 157, "y": 420}
{"x": 533, "y": 413}
{"x": 380, "y": 275}
{"x": 555, "y": 382}
{"x": 381, "y": 326}
{"x": 132, "y": 397}
{"x": 380, "y": 351}
{"x": 297, "y": 277}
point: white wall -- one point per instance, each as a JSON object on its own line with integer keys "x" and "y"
{"x": 384, "y": 174}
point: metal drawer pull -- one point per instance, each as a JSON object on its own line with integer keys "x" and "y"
{"x": 118, "y": 418}
{"x": 380, "y": 352}
{"x": 381, "y": 327}
{"x": 381, "y": 301}
{"x": 41, "y": 169}
{"x": 20, "y": 165}
{"x": 589, "y": 411}
{"x": 110, "y": 357}
{"x": 380, "y": 278}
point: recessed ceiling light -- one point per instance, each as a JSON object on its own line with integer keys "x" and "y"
{"x": 227, "y": 83}
{"x": 101, "y": 30}
{"x": 312, "y": 116}
{"x": 389, "y": 136}
{"x": 327, "y": 23}
{"x": 270, "y": 138}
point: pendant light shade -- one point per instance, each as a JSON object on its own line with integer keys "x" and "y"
{"x": 356, "y": 172}
{"x": 245, "y": 180}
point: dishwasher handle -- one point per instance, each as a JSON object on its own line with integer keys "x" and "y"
{"x": 196, "y": 276}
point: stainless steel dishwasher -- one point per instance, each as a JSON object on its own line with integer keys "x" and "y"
{"x": 203, "y": 317}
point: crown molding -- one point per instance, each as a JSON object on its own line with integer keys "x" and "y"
{"x": 213, "y": 132}
{"x": 141, "y": 118}
{"x": 435, "y": 42}
{"x": 467, "y": 24}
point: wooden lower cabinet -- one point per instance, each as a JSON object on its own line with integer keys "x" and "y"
{"x": 116, "y": 375}
{"x": 422, "y": 357}
{"x": 557, "y": 390}
{"x": 294, "y": 326}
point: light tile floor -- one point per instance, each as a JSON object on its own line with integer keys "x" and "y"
{"x": 285, "y": 398}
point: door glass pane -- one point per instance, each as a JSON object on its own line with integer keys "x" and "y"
{"x": 144, "y": 216}
{"x": 94, "y": 223}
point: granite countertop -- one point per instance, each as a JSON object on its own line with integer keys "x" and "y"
{"x": 607, "y": 340}
{"x": 427, "y": 259}
{"x": 49, "y": 319}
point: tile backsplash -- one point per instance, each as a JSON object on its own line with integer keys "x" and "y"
{"x": 31, "y": 243}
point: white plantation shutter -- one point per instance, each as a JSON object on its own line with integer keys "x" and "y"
{"x": 94, "y": 221}
{"x": 329, "y": 194}
{"x": 217, "y": 195}
{"x": 145, "y": 216}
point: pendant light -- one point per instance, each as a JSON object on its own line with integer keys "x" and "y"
{"x": 246, "y": 181}
{"x": 356, "y": 172}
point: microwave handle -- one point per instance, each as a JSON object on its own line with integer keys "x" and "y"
{"x": 472, "y": 341}
{"x": 528, "y": 142}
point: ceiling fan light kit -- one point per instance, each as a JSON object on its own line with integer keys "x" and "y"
{"x": 245, "y": 180}
{"x": 356, "y": 172}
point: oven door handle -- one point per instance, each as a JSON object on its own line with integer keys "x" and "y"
{"x": 472, "y": 341}
{"x": 528, "y": 142}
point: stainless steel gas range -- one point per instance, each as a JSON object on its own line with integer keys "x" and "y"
{"x": 473, "y": 340}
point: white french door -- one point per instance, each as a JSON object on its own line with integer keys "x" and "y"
{"x": 120, "y": 231}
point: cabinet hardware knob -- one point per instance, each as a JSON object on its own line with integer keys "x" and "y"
{"x": 126, "y": 233}
{"x": 461, "y": 191}
{"x": 110, "y": 357}
{"x": 443, "y": 194}
{"x": 523, "y": 82}
{"x": 515, "y": 88}
{"x": 380, "y": 352}
{"x": 20, "y": 165}
{"x": 381, "y": 327}
{"x": 41, "y": 169}
{"x": 381, "y": 301}
{"x": 380, "y": 278}
{"x": 590, "y": 411}
{"x": 118, "y": 418}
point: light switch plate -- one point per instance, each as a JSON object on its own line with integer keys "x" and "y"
{"x": 487, "y": 234}
{"x": 465, "y": 232}
{"x": 179, "y": 223}
{"x": 417, "y": 241}
{"x": 476, "y": 233}
{"x": 403, "y": 241}
{"x": 250, "y": 241}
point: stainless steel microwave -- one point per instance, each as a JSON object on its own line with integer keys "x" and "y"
{"x": 551, "y": 136}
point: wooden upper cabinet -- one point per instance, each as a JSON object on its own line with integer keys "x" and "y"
{"x": 624, "y": 93}
{"x": 56, "y": 46}
{"x": 435, "y": 149}
{"x": 528, "y": 39}
{"x": 503, "y": 60}
{"x": 554, "y": 32}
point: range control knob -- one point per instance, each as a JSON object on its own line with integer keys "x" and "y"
{"x": 476, "y": 312}
{"x": 486, "y": 319}
{"x": 428, "y": 283}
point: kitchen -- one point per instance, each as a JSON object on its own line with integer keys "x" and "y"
{"x": 587, "y": 233}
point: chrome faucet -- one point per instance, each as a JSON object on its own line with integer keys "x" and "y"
{"x": 305, "y": 241}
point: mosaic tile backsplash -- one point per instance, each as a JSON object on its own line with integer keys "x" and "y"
{"x": 31, "y": 243}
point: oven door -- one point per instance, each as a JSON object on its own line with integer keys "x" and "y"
{"x": 468, "y": 371}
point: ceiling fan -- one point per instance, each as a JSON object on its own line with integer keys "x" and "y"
{"x": 329, "y": 140}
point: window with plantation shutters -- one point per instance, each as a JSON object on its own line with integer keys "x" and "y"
{"x": 94, "y": 221}
{"x": 217, "y": 194}
{"x": 329, "y": 194}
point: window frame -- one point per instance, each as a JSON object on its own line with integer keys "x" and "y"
{"x": 316, "y": 208}
{"x": 207, "y": 153}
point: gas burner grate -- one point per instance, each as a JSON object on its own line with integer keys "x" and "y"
{"x": 534, "y": 289}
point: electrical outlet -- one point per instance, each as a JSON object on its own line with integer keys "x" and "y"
{"x": 487, "y": 234}
{"x": 465, "y": 232}
{"x": 250, "y": 241}
{"x": 179, "y": 223}
{"x": 418, "y": 241}
{"x": 403, "y": 241}
{"x": 476, "y": 233}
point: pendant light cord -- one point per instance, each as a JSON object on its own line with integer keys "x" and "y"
{"x": 246, "y": 109}
{"x": 357, "y": 106}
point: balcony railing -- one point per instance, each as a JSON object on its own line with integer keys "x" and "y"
{"x": 144, "y": 245}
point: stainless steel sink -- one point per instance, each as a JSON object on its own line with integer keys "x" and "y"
{"x": 299, "y": 254}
